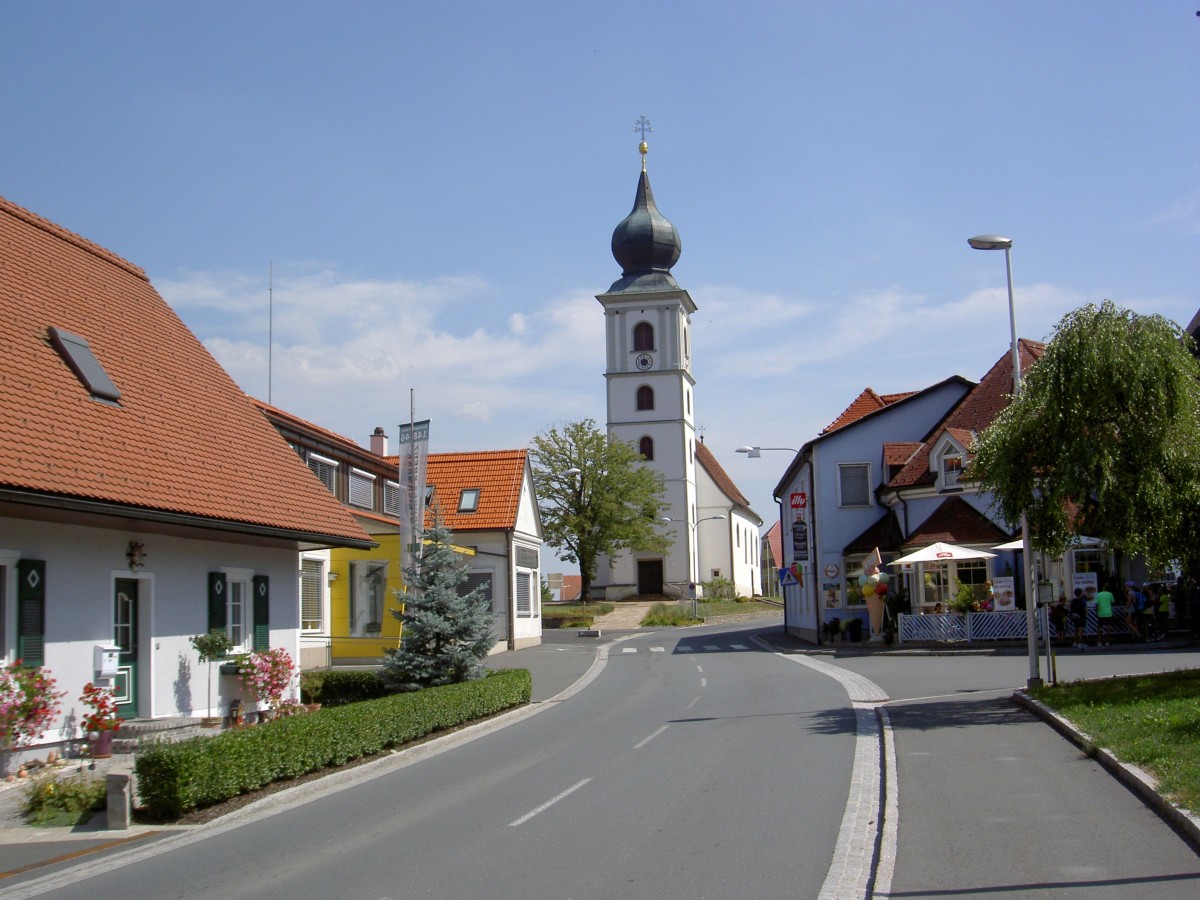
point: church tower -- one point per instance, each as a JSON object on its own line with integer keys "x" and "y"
{"x": 648, "y": 375}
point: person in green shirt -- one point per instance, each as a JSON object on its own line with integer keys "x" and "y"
{"x": 1104, "y": 616}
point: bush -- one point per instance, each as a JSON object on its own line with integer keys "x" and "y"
{"x": 337, "y": 687}
{"x": 662, "y": 614}
{"x": 573, "y": 615}
{"x": 174, "y": 778}
{"x": 718, "y": 589}
{"x": 62, "y": 802}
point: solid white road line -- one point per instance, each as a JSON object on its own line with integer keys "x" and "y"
{"x": 644, "y": 741}
{"x": 549, "y": 803}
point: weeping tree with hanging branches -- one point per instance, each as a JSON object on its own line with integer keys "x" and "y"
{"x": 1104, "y": 439}
{"x": 446, "y": 634}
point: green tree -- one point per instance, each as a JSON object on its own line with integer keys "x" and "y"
{"x": 1105, "y": 437}
{"x": 595, "y": 497}
{"x": 445, "y": 634}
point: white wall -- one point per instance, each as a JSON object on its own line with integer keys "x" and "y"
{"x": 81, "y": 565}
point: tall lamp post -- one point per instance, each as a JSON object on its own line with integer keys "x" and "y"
{"x": 693, "y": 571}
{"x": 756, "y": 453}
{"x": 998, "y": 242}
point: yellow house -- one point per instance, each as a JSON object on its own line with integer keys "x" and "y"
{"x": 348, "y": 597}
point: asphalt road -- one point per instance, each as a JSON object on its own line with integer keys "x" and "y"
{"x": 696, "y": 765}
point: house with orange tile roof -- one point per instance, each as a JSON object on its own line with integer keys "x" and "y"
{"x": 349, "y": 596}
{"x": 829, "y": 502}
{"x": 488, "y": 501}
{"x": 143, "y": 498}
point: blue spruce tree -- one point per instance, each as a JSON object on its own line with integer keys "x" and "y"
{"x": 445, "y": 634}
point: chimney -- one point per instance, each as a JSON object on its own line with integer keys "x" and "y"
{"x": 379, "y": 441}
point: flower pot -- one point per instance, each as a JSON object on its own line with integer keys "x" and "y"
{"x": 102, "y": 742}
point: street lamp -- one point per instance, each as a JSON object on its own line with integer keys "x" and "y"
{"x": 998, "y": 242}
{"x": 693, "y": 571}
{"x": 756, "y": 452}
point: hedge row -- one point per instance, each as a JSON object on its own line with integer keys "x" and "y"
{"x": 337, "y": 687}
{"x": 175, "y": 778}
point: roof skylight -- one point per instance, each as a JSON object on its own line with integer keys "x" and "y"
{"x": 77, "y": 354}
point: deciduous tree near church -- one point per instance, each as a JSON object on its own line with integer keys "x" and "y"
{"x": 595, "y": 498}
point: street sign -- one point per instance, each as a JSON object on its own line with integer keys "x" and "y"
{"x": 800, "y": 541}
{"x": 799, "y": 500}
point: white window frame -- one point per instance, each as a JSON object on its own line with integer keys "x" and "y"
{"x": 8, "y": 604}
{"x": 524, "y": 604}
{"x": 239, "y": 600}
{"x": 324, "y": 465}
{"x": 391, "y": 497}
{"x": 360, "y": 480}
{"x": 321, "y": 580}
{"x": 843, "y": 470}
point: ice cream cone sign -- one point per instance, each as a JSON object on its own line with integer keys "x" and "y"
{"x": 872, "y": 563}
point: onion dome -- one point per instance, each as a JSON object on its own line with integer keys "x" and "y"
{"x": 645, "y": 244}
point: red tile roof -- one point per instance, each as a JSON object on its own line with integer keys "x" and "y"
{"x": 499, "y": 476}
{"x": 956, "y": 521}
{"x": 710, "y": 465}
{"x": 972, "y": 415}
{"x": 183, "y": 441}
{"x": 864, "y": 404}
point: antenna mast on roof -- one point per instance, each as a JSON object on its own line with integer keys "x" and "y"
{"x": 270, "y": 320}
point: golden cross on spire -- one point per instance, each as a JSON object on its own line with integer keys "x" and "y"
{"x": 642, "y": 124}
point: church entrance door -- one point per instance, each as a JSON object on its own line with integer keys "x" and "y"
{"x": 650, "y": 576}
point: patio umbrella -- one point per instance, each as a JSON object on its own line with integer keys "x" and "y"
{"x": 1016, "y": 544}
{"x": 940, "y": 552}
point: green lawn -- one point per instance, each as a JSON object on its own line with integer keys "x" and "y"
{"x": 1151, "y": 721}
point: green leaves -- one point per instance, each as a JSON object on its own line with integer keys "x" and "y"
{"x": 596, "y": 498}
{"x": 1105, "y": 437}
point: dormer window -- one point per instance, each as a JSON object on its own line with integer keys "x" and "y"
{"x": 951, "y": 469}
{"x": 325, "y": 469}
{"x": 468, "y": 500}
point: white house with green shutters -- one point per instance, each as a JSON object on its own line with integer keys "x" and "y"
{"x": 143, "y": 498}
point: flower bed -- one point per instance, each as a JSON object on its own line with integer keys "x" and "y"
{"x": 174, "y": 778}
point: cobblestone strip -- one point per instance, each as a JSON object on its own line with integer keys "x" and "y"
{"x": 853, "y": 860}
{"x": 852, "y": 870}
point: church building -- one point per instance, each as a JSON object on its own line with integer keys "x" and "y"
{"x": 650, "y": 387}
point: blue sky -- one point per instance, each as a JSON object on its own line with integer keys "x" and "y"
{"x": 436, "y": 187}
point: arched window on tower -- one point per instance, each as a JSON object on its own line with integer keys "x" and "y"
{"x": 645, "y": 397}
{"x": 643, "y": 336}
{"x": 646, "y": 447}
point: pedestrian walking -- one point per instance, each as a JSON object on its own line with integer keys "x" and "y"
{"x": 1058, "y": 618}
{"x": 1162, "y": 614}
{"x": 1104, "y": 615}
{"x": 1079, "y": 617}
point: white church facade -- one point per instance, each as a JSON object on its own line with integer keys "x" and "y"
{"x": 650, "y": 397}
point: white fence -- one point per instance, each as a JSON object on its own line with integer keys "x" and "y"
{"x": 985, "y": 626}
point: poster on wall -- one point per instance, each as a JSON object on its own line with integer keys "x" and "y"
{"x": 833, "y": 594}
{"x": 1004, "y": 588}
{"x": 1086, "y": 581}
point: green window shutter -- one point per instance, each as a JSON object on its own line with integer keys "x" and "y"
{"x": 262, "y": 612}
{"x": 31, "y": 611}
{"x": 218, "y": 592}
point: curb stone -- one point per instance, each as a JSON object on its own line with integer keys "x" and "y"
{"x": 1139, "y": 781}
